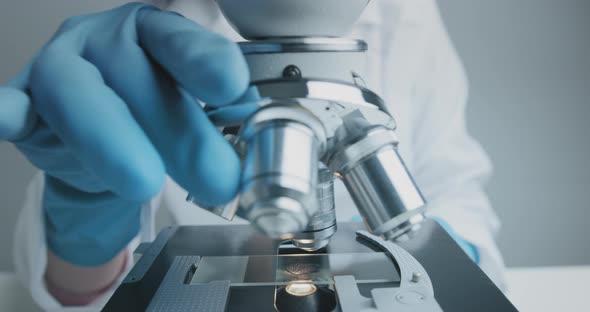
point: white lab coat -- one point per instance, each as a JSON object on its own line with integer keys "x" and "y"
{"x": 414, "y": 67}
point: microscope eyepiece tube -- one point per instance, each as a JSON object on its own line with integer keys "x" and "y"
{"x": 280, "y": 174}
{"x": 379, "y": 183}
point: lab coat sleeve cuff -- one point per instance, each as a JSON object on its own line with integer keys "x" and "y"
{"x": 30, "y": 252}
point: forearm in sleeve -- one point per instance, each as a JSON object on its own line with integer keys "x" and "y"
{"x": 55, "y": 284}
{"x": 74, "y": 285}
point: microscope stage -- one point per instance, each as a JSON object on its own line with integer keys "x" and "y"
{"x": 234, "y": 268}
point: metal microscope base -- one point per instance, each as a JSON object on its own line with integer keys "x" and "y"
{"x": 234, "y": 268}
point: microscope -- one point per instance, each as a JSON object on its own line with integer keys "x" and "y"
{"x": 316, "y": 120}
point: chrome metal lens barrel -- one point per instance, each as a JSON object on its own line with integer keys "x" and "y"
{"x": 379, "y": 182}
{"x": 322, "y": 225}
{"x": 284, "y": 144}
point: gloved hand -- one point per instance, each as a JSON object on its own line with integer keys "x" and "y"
{"x": 108, "y": 107}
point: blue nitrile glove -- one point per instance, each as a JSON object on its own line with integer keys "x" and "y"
{"x": 467, "y": 247}
{"x": 16, "y": 117}
{"x": 113, "y": 96}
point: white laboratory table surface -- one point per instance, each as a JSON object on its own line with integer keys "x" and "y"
{"x": 536, "y": 289}
{"x": 550, "y": 288}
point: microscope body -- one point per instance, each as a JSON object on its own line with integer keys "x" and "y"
{"x": 318, "y": 120}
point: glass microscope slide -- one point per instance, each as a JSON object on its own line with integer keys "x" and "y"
{"x": 285, "y": 269}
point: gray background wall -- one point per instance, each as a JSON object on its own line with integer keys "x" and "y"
{"x": 529, "y": 66}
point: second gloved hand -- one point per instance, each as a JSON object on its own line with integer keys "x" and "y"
{"x": 113, "y": 96}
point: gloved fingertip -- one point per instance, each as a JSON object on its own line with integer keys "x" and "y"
{"x": 17, "y": 117}
{"x": 145, "y": 187}
{"x": 251, "y": 95}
